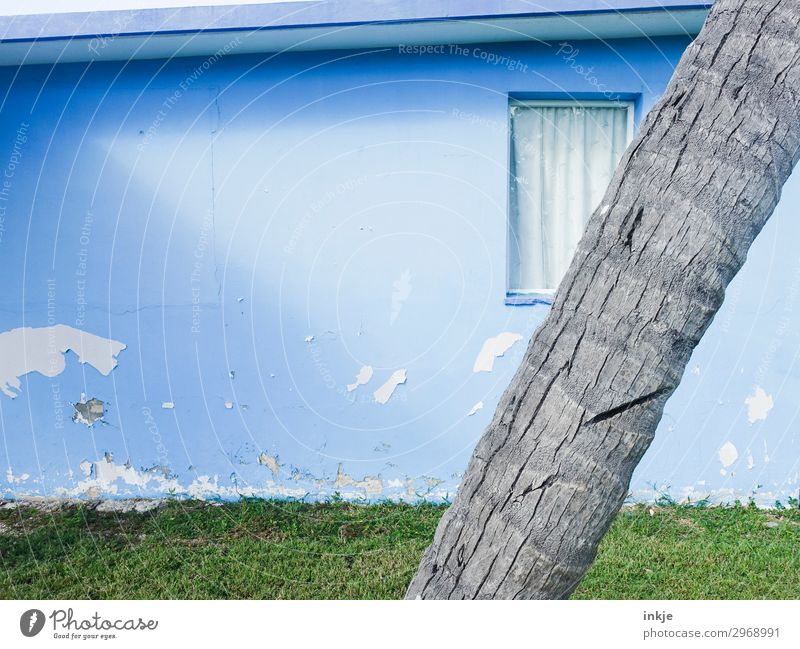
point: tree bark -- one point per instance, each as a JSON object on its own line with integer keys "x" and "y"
{"x": 689, "y": 196}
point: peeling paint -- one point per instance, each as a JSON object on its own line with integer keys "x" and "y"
{"x": 159, "y": 468}
{"x": 12, "y": 479}
{"x": 385, "y": 392}
{"x": 309, "y": 339}
{"x": 228, "y": 405}
{"x": 728, "y": 454}
{"x": 270, "y": 461}
{"x": 167, "y": 405}
{"x": 107, "y": 472}
{"x": 28, "y": 349}
{"x": 475, "y": 408}
{"x": 111, "y": 479}
{"x": 88, "y": 412}
{"x": 401, "y": 290}
{"x": 758, "y": 405}
{"x": 750, "y": 461}
{"x": 493, "y": 348}
{"x": 371, "y": 484}
{"x": 362, "y": 378}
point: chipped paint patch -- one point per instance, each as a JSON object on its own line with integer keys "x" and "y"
{"x": 362, "y": 378}
{"x": 475, "y": 408}
{"x": 12, "y": 479}
{"x": 371, "y": 484}
{"x": 107, "y": 472}
{"x": 758, "y": 405}
{"x": 750, "y": 461}
{"x": 401, "y": 290}
{"x": 204, "y": 488}
{"x": 385, "y": 392}
{"x": 728, "y": 454}
{"x": 309, "y": 339}
{"x": 43, "y": 349}
{"x": 88, "y": 412}
{"x": 228, "y": 405}
{"x": 493, "y": 348}
{"x": 167, "y": 405}
{"x": 269, "y": 461}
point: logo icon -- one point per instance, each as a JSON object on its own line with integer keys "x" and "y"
{"x": 31, "y": 622}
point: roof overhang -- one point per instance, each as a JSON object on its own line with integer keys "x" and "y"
{"x": 332, "y": 24}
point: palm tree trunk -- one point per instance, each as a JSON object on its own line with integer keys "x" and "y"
{"x": 689, "y": 196}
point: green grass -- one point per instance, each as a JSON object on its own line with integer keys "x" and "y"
{"x": 266, "y": 550}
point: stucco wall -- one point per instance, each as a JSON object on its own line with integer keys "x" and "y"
{"x": 254, "y": 230}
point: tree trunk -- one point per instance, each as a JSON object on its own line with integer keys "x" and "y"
{"x": 689, "y": 196}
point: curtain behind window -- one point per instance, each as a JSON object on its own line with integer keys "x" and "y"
{"x": 562, "y": 159}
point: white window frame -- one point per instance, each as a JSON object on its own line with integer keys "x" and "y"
{"x": 520, "y": 297}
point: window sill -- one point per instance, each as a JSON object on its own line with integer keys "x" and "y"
{"x": 529, "y": 298}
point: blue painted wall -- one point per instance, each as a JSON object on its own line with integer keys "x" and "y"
{"x": 257, "y": 229}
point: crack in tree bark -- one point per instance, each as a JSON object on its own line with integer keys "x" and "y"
{"x": 638, "y": 401}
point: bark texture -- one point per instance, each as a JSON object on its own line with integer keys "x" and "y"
{"x": 689, "y": 196}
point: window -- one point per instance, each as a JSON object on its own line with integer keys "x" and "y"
{"x": 563, "y": 154}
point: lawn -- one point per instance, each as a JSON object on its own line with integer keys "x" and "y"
{"x": 270, "y": 549}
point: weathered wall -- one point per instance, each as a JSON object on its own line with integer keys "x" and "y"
{"x": 252, "y": 232}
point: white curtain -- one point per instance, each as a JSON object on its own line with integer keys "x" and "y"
{"x": 562, "y": 159}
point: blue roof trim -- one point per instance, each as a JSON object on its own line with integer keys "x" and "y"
{"x": 296, "y": 15}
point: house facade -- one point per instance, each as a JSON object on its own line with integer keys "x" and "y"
{"x": 293, "y": 250}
